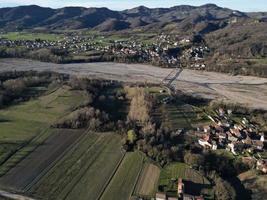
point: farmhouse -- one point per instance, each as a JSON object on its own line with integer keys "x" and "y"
{"x": 180, "y": 194}
{"x": 161, "y": 196}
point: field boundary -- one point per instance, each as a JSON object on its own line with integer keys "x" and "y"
{"x": 45, "y": 171}
{"x": 24, "y": 145}
{"x": 84, "y": 170}
{"x": 139, "y": 175}
{"x": 112, "y": 175}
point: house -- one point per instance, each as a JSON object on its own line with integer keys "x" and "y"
{"x": 180, "y": 188}
{"x": 161, "y": 196}
{"x": 172, "y": 198}
{"x": 222, "y": 135}
{"x": 204, "y": 143}
{"x": 221, "y": 112}
{"x": 257, "y": 144}
{"x": 206, "y": 129}
{"x": 235, "y": 132}
{"x": 262, "y": 166}
{"x": 188, "y": 197}
{"x": 199, "y": 198}
{"x": 231, "y": 138}
{"x": 231, "y": 147}
{"x": 262, "y": 137}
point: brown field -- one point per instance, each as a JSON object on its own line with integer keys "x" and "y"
{"x": 148, "y": 181}
{"x": 29, "y": 170}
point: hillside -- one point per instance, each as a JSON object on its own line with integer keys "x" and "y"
{"x": 25, "y": 17}
{"x": 237, "y": 40}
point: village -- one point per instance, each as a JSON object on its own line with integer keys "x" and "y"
{"x": 165, "y": 50}
{"x": 241, "y": 139}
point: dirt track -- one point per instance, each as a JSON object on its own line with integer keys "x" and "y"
{"x": 247, "y": 90}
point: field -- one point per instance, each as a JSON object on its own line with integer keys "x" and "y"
{"x": 176, "y": 115}
{"x": 30, "y": 169}
{"x": 170, "y": 174}
{"x": 31, "y": 36}
{"x": 122, "y": 184}
{"x": 84, "y": 171}
{"x": 148, "y": 181}
{"x": 24, "y": 126}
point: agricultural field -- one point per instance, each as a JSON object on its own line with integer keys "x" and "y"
{"x": 31, "y": 36}
{"x": 84, "y": 171}
{"x": 148, "y": 181}
{"x": 172, "y": 172}
{"x": 175, "y": 114}
{"x": 26, "y": 125}
{"x": 122, "y": 185}
{"x": 30, "y": 169}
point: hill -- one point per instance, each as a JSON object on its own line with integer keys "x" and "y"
{"x": 26, "y": 17}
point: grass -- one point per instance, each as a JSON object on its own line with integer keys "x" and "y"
{"x": 193, "y": 180}
{"x": 26, "y": 125}
{"x": 31, "y": 36}
{"x": 176, "y": 115}
{"x": 122, "y": 184}
{"x": 148, "y": 181}
{"x": 84, "y": 170}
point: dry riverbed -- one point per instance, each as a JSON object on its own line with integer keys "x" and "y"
{"x": 247, "y": 90}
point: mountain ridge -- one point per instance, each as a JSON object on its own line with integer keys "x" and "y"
{"x": 34, "y": 16}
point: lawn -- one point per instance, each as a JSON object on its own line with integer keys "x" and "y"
{"x": 193, "y": 180}
{"x": 122, "y": 184}
{"x": 84, "y": 171}
{"x": 24, "y": 126}
{"x": 31, "y": 36}
{"x": 148, "y": 181}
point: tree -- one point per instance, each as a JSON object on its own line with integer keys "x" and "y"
{"x": 223, "y": 190}
{"x": 193, "y": 159}
{"x": 131, "y": 136}
{"x": 141, "y": 105}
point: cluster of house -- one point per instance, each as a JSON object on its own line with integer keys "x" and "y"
{"x": 37, "y": 44}
{"x": 164, "y": 50}
{"x": 224, "y": 133}
{"x": 196, "y": 56}
{"x": 180, "y": 194}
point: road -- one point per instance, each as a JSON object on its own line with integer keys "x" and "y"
{"x": 246, "y": 90}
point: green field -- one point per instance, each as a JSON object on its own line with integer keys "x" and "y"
{"x": 31, "y": 36}
{"x": 172, "y": 172}
{"x": 122, "y": 184}
{"x": 148, "y": 181}
{"x": 176, "y": 114}
{"x": 84, "y": 171}
{"x": 24, "y": 126}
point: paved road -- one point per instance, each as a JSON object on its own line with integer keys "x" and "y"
{"x": 246, "y": 90}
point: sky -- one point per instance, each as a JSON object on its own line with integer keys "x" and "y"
{"x": 242, "y": 5}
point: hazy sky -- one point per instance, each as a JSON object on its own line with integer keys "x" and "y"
{"x": 243, "y": 5}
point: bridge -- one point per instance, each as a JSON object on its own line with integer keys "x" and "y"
{"x": 168, "y": 81}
